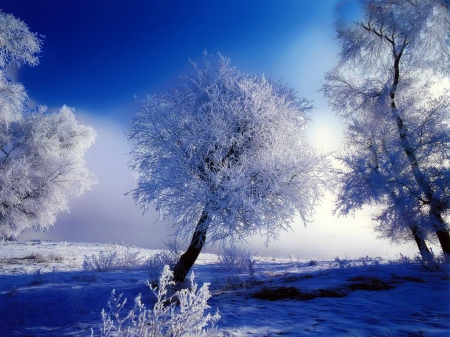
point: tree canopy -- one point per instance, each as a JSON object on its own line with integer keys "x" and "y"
{"x": 41, "y": 153}
{"x": 222, "y": 154}
{"x": 398, "y": 136}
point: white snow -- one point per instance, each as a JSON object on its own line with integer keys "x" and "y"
{"x": 45, "y": 292}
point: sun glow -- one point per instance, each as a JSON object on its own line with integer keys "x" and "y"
{"x": 325, "y": 133}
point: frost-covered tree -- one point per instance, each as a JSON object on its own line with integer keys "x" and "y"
{"x": 398, "y": 135}
{"x": 41, "y": 153}
{"x": 221, "y": 156}
{"x": 17, "y": 46}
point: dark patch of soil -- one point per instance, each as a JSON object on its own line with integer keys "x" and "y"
{"x": 397, "y": 278}
{"x": 292, "y": 293}
{"x": 368, "y": 283}
{"x": 356, "y": 283}
{"x": 280, "y": 293}
{"x": 331, "y": 293}
{"x": 294, "y": 278}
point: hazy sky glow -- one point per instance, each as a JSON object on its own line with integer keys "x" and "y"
{"x": 98, "y": 55}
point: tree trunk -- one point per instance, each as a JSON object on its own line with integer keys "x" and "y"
{"x": 188, "y": 259}
{"x": 421, "y": 244}
{"x": 444, "y": 240}
{"x": 441, "y": 230}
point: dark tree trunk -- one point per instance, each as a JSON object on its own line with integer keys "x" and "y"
{"x": 442, "y": 232}
{"x": 444, "y": 240}
{"x": 188, "y": 259}
{"x": 421, "y": 244}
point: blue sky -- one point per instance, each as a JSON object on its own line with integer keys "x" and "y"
{"x": 98, "y": 55}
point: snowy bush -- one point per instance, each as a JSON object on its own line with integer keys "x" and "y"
{"x": 369, "y": 261}
{"x": 155, "y": 264}
{"x": 313, "y": 263}
{"x": 341, "y": 263}
{"x": 185, "y": 319}
{"x": 130, "y": 259}
{"x": 237, "y": 260}
{"x": 113, "y": 260}
{"x": 429, "y": 262}
{"x": 363, "y": 261}
{"x": 102, "y": 262}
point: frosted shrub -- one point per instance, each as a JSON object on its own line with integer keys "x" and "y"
{"x": 313, "y": 263}
{"x": 428, "y": 261}
{"x": 364, "y": 261}
{"x": 369, "y": 261}
{"x": 237, "y": 260}
{"x": 342, "y": 263}
{"x": 112, "y": 260}
{"x": 187, "y": 319}
{"x": 102, "y": 262}
{"x": 130, "y": 259}
{"x": 155, "y": 263}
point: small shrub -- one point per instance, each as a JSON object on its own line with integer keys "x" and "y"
{"x": 430, "y": 262}
{"x": 369, "y": 261}
{"x": 103, "y": 262}
{"x": 434, "y": 263}
{"x": 237, "y": 260}
{"x": 130, "y": 259}
{"x": 112, "y": 260}
{"x": 403, "y": 259}
{"x": 166, "y": 319}
{"x": 344, "y": 263}
{"x": 168, "y": 257}
{"x": 313, "y": 263}
{"x": 364, "y": 261}
{"x": 55, "y": 257}
{"x": 36, "y": 257}
{"x": 293, "y": 259}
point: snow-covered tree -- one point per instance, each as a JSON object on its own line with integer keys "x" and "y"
{"x": 41, "y": 153}
{"x": 17, "y": 46}
{"x": 221, "y": 156}
{"x": 398, "y": 135}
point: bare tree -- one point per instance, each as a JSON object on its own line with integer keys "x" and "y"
{"x": 221, "y": 156}
{"x": 397, "y": 151}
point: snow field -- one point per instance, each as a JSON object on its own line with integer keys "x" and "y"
{"x": 45, "y": 292}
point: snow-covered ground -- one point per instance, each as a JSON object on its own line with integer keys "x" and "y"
{"x": 44, "y": 291}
